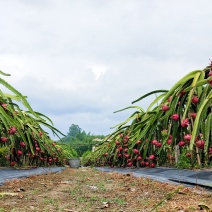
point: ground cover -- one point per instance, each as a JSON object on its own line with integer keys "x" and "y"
{"x": 87, "y": 189}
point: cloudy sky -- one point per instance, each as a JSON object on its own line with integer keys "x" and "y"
{"x": 79, "y": 61}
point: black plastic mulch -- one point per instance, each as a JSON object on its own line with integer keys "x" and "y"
{"x": 177, "y": 176}
{"x": 11, "y": 173}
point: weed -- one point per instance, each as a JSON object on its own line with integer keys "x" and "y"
{"x": 49, "y": 200}
{"x": 184, "y": 162}
{"x": 35, "y": 191}
{"x": 192, "y": 208}
{"x": 102, "y": 186}
{"x": 81, "y": 199}
{"x": 145, "y": 201}
{"x": 94, "y": 199}
{"x": 117, "y": 200}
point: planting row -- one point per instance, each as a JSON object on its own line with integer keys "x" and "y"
{"x": 22, "y": 139}
{"x": 175, "y": 130}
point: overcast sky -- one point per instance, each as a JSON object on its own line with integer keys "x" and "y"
{"x": 79, "y": 61}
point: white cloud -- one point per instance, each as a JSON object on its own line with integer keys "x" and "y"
{"x": 99, "y": 70}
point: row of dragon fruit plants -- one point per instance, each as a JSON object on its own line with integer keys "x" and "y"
{"x": 23, "y": 142}
{"x": 176, "y": 127}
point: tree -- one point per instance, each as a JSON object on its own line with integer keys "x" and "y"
{"x": 79, "y": 139}
{"x": 74, "y": 130}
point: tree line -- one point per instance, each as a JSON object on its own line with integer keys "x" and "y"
{"x": 79, "y": 140}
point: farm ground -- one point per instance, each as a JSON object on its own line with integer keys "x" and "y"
{"x": 87, "y": 189}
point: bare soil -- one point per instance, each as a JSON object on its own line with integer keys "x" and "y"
{"x": 87, "y": 189}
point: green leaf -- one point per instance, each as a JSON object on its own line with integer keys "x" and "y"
{"x": 155, "y": 101}
{"x": 2, "y": 73}
{"x": 148, "y": 94}
{"x": 197, "y": 122}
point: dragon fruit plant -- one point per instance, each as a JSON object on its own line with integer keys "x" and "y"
{"x": 178, "y": 120}
{"x": 22, "y": 133}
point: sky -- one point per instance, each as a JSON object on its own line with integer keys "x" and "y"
{"x": 79, "y": 61}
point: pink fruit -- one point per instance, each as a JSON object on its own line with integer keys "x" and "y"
{"x": 169, "y": 141}
{"x": 12, "y": 163}
{"x": 185, "y": 123}
{"x": 119, "y": 155}
{"x": 169, "y": 99}
{"x": 136, "y": 151}
{"x": 175, "y": 117}
{"x": 188, "y": 155}
{"x": 121, "y": 135}
{"x": 125, "y": 140}
{"x": 154, "y": 142}
{"x": 152, "y": 165}
{"x": 210, "y": 150}
{"x": 187, "y": 137}
{"x": 193, "y": 115}
{"x": 142, "y": 163}
{"x": 210, "y": 82}
{"x": 126, "y": 137}
{"x": 4, "y": 139}
{"x": 37, "y": 149}
{"x": 117, "y": 143}
{"x": 139, "y": 158}
{"x": 152, "y": 157}
{"x": 120, "y": 148}
{"x": 4, "y": 106}
{"x": 195, "y": 99}
{"x": 165, "y": 107}
{"x": 22, "y": 144}
{"x": 129, "y": 164}
{"x": 182, "y": 93}
{"x": 147, "y": 163}
{"x": 200, "y": 144}
{"x": 210, "y": 73}
{"x": 126, "y": 155}
{"x": 12, "y": 130}
{"x": 181, "y": 143}
{"x": 19, "y": 152}
{"x": 138, "y": 142}
{"x": 158, "y": 144}
{"x": 126, "y": 150}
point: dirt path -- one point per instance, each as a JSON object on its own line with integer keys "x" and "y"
{"x": 87, "y": 189}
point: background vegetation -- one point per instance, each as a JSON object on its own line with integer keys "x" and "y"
{"x": 79, "y": 140}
